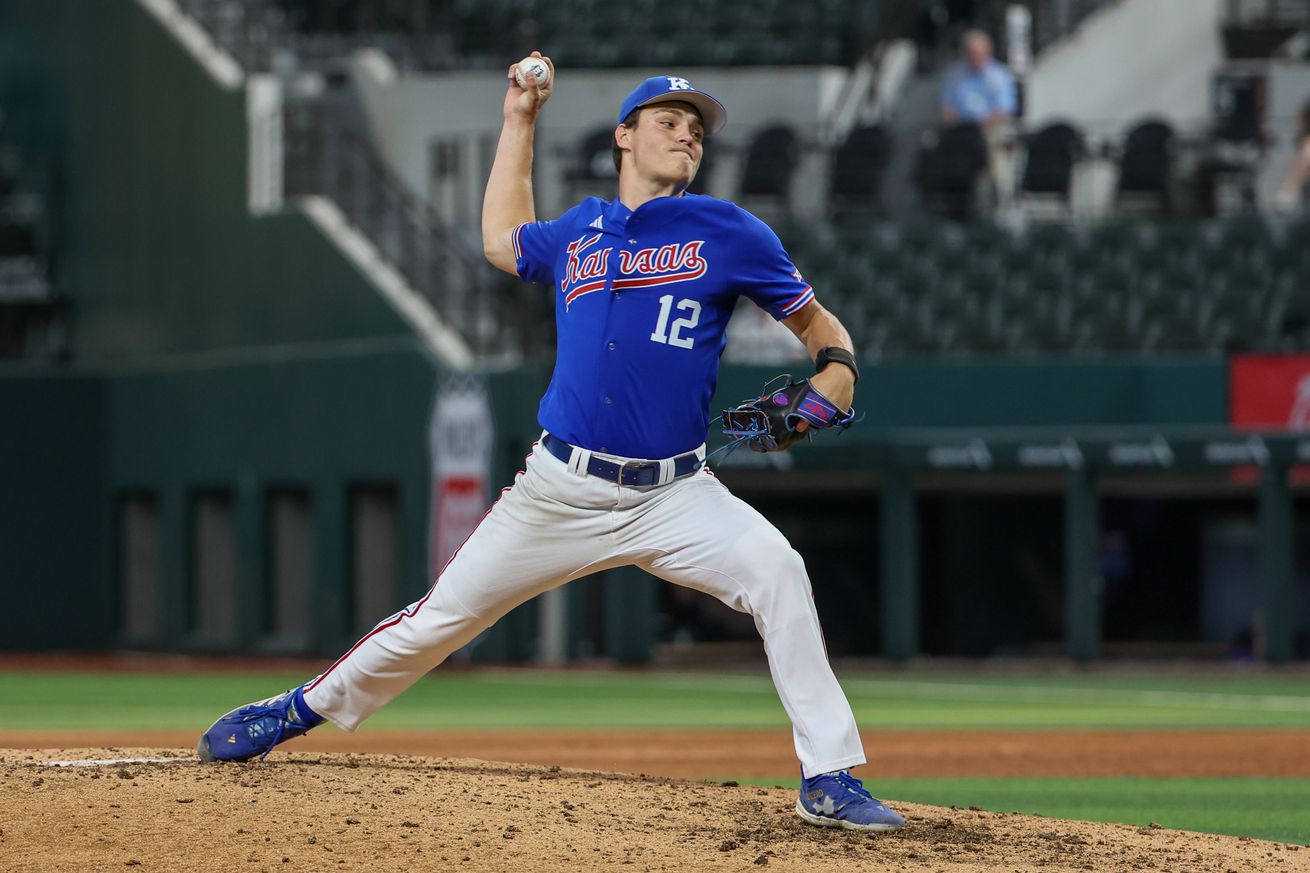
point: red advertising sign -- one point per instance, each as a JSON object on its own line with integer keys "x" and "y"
{"x": 458, "y": 504}
{"x": 1269, "y": 392}
{"x": 460, "y": 437}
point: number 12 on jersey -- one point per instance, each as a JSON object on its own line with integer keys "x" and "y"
{"x": 673, "y": 335}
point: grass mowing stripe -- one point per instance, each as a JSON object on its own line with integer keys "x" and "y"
{"x": 1096, "y": 696}
{"x": 1267, "y": 809}
{"x": 991, "y": 690}
{"x": 596, "y": 700}
{"x": 1271, "y": 809}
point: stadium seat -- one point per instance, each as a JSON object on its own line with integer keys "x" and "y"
{"x": 1145, "y": 166}
{"x": 1177, "y": 332}
{"x": 1049, "y": 161}
{"x": 978, "y": 337}
{"x": 948, "y": 168}
{"x": 1292, "y": 253}
{"x": 1179, "y": 246}
{"x": 591, "y": 171}
{"x": 855, "y": 179}
{"x": 1112, "y": 336}
{"x": 916, "y": 281}
{"x": 771, "y": 158}
{"x": 1242, "y": 331}
{"x": 1119, "y": 241}
{"x": 1104, "y": 279}
{"x": 921, "y": 239}
{"x": 984, "y": 238}
{"x": 981, "y": 284}
{"x": 1083, "y": 310}
{"x": 905, "y": 336}
{"x": 1046, "y": 333}
{"x": 1048, "y": 281}
{"x": 1052, "y": 244}
{"x": 1249, "y": 238}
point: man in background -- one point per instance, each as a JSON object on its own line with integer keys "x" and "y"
{"x": 978, "y": 89}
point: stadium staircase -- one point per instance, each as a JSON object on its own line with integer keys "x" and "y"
{"x": 328, "y": 154}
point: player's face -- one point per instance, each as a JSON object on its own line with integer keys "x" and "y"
{"x": 666, "y": 145}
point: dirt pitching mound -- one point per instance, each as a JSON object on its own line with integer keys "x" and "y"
{"x": 153, "y": 809}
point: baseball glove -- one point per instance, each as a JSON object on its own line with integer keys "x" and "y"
{"x": 768, "y": 423}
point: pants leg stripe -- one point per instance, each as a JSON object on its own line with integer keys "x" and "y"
{"x": 409, "y": 611}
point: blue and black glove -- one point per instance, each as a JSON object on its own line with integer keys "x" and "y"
{"x": 768, "y": 423}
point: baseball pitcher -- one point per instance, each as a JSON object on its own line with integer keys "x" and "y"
{"x": 643, "y": 288}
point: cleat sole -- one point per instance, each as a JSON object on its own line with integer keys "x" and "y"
{"x": 825, "y": 822}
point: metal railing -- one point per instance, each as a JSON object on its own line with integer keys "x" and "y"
{"x": 1294, "y": 13}
{"x": 1053, "y": 20}
{"x": 328, "y": 154}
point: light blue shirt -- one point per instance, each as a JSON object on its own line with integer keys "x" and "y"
{"x": 974, "y": 95}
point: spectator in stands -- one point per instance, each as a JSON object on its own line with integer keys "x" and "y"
{"x": 979, "y": 89}
{"x": 1298, "y": 168}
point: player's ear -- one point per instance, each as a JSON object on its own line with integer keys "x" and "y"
{"x": 622, "y": 143}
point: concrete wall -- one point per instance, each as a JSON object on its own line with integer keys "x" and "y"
{"x": 1131, "y": 59}
{"x": 409, "y": 114}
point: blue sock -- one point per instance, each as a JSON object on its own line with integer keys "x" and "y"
{"x": 307, "y": 715}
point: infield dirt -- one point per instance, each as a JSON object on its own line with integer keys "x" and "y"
{"x": 310, "y": 811}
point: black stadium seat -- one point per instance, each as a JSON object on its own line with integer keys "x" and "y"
{"x": 1146, "y": 162}
{"x": 858, "y": 163}
{"x": 771, "y": 158}
{"x": 590, "y": 172}
{"x": 1051, "y": 155}
{"x": 948, "y": 168}
{"x": 593, "y": 160}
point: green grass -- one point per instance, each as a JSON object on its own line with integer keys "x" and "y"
{"x": 1268, "y": 809}
{"x": 1277, "y": 809}
{"x": 493, "y": 699}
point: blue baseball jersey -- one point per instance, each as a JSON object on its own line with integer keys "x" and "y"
{"x": 642, "y": 301}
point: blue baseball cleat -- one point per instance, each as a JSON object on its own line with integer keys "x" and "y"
{"x": 839, "y": 800}
{"x": 254, "y": 729}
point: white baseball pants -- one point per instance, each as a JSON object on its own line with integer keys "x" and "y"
{"x": 556, "y": 524}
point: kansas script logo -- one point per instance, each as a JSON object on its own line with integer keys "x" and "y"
{"x": 660, "y": 265}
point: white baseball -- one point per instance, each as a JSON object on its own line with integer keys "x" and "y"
{"x": 532, "y": 67}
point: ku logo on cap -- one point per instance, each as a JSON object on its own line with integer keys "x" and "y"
{"x": 679, "y": 84}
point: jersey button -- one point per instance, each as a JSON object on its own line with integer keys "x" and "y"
{"x": 632, "y": 241}
{"x": 608, "y": 400}
{"x": 618, "y": 294}
{"x": 613, "y": 345}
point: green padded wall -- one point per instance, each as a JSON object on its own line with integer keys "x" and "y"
{"x": 212, "y": 349}
{"x": 53, "y": 525}
{"x": 142, "y": 159}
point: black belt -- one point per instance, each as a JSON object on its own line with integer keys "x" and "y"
{"x": 636, "y": 473}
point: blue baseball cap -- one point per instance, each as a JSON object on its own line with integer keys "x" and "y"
{"x": 668, "y": 89}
